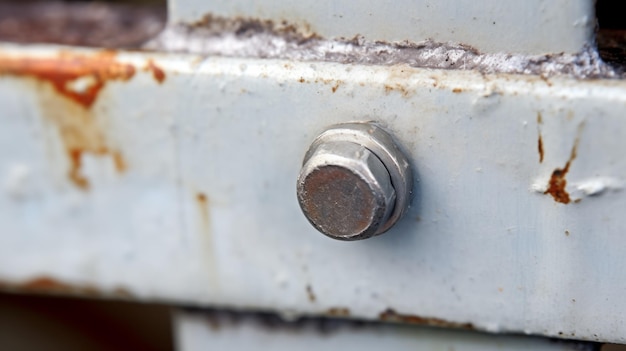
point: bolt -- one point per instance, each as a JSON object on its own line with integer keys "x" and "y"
{"x": 354, "y": 182}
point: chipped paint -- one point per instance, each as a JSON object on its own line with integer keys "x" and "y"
{"x": 597, "y": 186}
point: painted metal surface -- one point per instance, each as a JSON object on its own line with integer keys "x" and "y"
{"x": 530, "y": 27}
{"x": 229, "y": 331}
{"x": 172, "y": 178}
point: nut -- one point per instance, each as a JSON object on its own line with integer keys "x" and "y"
{"x": 346, "y": 189}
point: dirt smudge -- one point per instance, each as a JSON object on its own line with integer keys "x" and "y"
{"x": 310, "y": 294}
{"x": 338, "y": 312}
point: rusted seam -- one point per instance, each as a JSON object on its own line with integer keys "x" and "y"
{"x": 255, "y": 38}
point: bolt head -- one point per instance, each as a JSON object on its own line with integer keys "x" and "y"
{"x": 345, "y": 191}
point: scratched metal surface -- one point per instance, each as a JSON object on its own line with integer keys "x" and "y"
{"x": 199, "y": 330}
{"x": 530, "y": 27}
{"x": 172, "y": 178}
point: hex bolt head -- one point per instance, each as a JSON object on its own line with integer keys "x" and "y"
{"x": 346, "y": 189}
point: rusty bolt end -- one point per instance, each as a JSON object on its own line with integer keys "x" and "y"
{"x": 345, "y": 191}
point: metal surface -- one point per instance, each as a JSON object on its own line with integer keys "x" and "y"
{"x": 355, "y": 183}
{"x": 219, "y": 330}
{"x": 174, "y": 176}
{"x": 530, "y": 27}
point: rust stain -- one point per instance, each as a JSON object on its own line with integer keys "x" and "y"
{"x": 390, "y": 315}
{"x": 334, "y": 88}
{"x": 338, "y": 312}
{"x": 48, "y": 285}
{"x": 557, "y": 182}
{"x": 67, "y": 87}
{"x": 301, "y": 80}
{"x": 206, "y": 238}
{"x": 540, "y": 148}
{"x": 540, "y": 139}
{"x": 67, "y": 68}
{"x": 457, "y": 90}
{"x": 397, "y": 87}
{"x": 118, "y": 160}
{"x": 310, "y": 293}
{"x": 203, "y": 205}
{"x": 157, "y": 72}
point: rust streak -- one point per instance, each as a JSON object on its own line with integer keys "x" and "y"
{"x": 390, "y": 315}
{"x": 540, "y": 139}
{"x": 67, "y": 68}
{"x": 157, "y": 72}
{"x": 203, "y": 205}
{"x": 67, "y": 87}
{"x": 48, "y": 285}
{"x": 557, "y": 182}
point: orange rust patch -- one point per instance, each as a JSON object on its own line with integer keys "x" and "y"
{"x": 557, "y": 183}
{"x": 66, "y": 68}
{"x": 334, "y": 88}
{"x": 70, "y": 85}
{"x": 301, "y": 80}
{"x": 157, "y": 72}
{"x": 47, "y": 285}
{"x": 338, "y": 312}
{"x": 457, "y": 90}
{"x": 390, "y": 315}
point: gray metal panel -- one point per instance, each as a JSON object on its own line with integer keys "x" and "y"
{"x": 203, "y": 209}
{"x": 530, "y": 27}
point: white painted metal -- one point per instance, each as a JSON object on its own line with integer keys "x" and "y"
{"x": 195, "y": 332}
{"x": 206, "y": 211}
{"x": 529, "y": 27}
